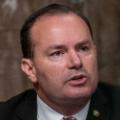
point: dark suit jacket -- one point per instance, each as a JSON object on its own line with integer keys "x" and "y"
{"x": 105, "y": 105}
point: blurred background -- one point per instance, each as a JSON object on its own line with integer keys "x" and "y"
{"x": 104, "y": 16}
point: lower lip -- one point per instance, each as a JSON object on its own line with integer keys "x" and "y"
{"x": 78, "y": 82}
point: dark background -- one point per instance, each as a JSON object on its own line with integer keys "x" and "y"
{"x": 104, "y": 16}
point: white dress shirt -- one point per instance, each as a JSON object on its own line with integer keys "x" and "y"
{"x": 44, "y": 112}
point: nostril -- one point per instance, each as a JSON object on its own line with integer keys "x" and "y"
{"x": 76, "y": 67}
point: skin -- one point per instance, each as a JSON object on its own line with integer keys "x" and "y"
{"x": 64, "y": 67}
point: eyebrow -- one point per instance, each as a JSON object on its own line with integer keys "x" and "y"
{"x": 84, "y": 42}
{"x": 57, "y": 47}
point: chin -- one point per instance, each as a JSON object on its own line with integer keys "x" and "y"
{"x": 83, "y": 93}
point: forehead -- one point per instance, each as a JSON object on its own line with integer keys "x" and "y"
{"x": 59, "y": 18}
{"x": 59, "y": 27}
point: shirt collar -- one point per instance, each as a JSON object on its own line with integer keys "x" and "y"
{"x": 44, "y": 112}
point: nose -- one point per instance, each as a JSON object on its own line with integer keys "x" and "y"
{"x": 75, "y": 60}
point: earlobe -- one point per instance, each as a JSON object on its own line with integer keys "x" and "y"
{"x": 28, "y": 68}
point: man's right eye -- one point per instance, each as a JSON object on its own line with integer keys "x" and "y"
{"x": 57, "y": 53}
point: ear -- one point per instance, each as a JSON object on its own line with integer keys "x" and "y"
{"x": 28, "y": 68}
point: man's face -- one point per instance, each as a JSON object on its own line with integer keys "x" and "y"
{"x": 64, "y": 58}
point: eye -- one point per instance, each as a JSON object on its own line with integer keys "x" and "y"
{"x": 57, "y": 53}
{"x": 84, "y": 48}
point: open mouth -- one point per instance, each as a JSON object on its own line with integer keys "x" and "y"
{"x": 78, "y": 80}
{"x": 77, "y": 77}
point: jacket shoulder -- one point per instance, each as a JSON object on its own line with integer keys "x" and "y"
{"x": 9, "y": 107}
{"x": 106, "y": 101}
{"x": 110, "y": 91}
{"x": 28, "y": 94}
{"x": 112, "y": 95}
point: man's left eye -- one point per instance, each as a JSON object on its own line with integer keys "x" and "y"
{"x": 84, "y": 48}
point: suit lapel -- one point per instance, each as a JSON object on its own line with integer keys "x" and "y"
{"x": 27, "y": 110}
{"x": 99, "y": 107}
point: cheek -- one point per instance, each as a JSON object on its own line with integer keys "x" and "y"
{"x": 91, "y": 68}
{"x": 90, "y": 64}
{"x": 52, "y": 72}
{"x": 55, "y": 67}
